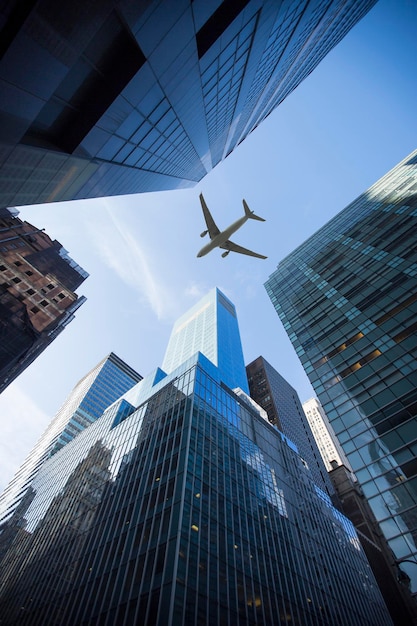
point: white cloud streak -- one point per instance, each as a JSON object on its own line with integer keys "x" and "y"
{"x": 123, "y": 253}
{"x": 22, "y": 423}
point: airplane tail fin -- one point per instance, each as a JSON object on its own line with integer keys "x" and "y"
{"x": 250, "y": 213}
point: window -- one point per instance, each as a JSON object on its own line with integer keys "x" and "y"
{"x": 16, "y": 279}
{"x": 44, "y": 303}
{"x": 217, "y": 24}
{"x": 29, "y": 273}
{"x": 35, "y": 309}
{"x": 108, "y": 63}
{"x": 30, "y": 292}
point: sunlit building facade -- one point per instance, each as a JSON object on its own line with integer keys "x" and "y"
{"x": 209, "y": 327}
{"x": 97, "y": 390}
{"x": 182, "y": 505}
{"x": 106, "y": 98}
{"x": 38, "y": 280}
{"x": 330, "y": 449}
{"x": 347, "y": 298}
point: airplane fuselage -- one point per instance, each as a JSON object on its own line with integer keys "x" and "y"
{"x": 219, "y": 239}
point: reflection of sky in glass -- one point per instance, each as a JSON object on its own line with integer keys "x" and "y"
{"x": 118, "y": 428}
{"x": 289, "y": 443}
{"x": 231, "y": 414}
{"x": 268, "y": 483}
{"x": 345, "y": 524}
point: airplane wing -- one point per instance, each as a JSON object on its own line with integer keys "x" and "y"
{"x": 211, "y": 226}
{"x": 233, "y": 247}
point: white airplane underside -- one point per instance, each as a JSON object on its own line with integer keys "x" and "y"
{"x": 220, "y": 239}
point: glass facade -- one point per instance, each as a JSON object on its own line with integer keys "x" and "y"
{"x": 282, "y": 404}
{"x": 101, "y": 99}
{"x": 104, "y": 384}
{"x": 209, "y": 327}
{"x": 347, "y": 298}
{"x": 180, "y": 506}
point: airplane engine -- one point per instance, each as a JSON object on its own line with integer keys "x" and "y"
{"x": 225, "y": 253}
{"x": 204, "y": 233}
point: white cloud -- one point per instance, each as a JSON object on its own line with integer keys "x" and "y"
{"x": 195, "y": 290}
{"x": 133, "y": 263}
{"x": 22, "y": 423}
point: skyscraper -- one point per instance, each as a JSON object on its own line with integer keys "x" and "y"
{"x": 209, "y": 327}
{"x": 391, "y": 578}
{"x": 37, "y": 293}
{"x": 104, "y": 384}
{"x": 110, "y": 98}
{"x": 327, "y": 443}
{"x": 284, "y": 410}
{"x": 347, "y": 298}
{"x": 181, "y": 505}
{"x": 282, "y": 404}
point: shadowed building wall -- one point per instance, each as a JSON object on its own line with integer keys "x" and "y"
{"x": 282, "y": 404}
{"x": 111, "y": 97}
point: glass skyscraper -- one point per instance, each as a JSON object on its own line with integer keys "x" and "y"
{"x": 209, "y": 327}
{"x": 104, "y": 384}
{"x": 107, "y": 98}
{"x": 347, "y": 298}
{"x": 282, "y": 404}
{"x": 182, "y": 505}
{"x": 189, "y": 510}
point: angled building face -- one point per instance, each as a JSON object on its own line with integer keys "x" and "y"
{"x": 282, "y": 404}
{"x": 104, "y": 384}
{"x": 179, "y": 506}
{"x": 330, "y": 449}
{"x": 37, "y": 293}
{"x": 347, "y": 297}
{"x": 123, "y": 97}
{"x": 209, "y": 327}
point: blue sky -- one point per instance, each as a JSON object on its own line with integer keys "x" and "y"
{"x": 345, "y": 126}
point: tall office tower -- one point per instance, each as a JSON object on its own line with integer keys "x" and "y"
{"x": 393, "y": 582}
{"x": 348, "y": 300}
{"x": 181, "y": 505}
{"x": 327, "y": 443}
{"x": 282, "y": 404}
{"x": 209, "y": 327}
{"x": 106, "y": 97}
{"x": 37, "y": 293}
{"x": 104, "y": 384}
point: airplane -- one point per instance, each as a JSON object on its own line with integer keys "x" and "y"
{"x": 220, "y": 239}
